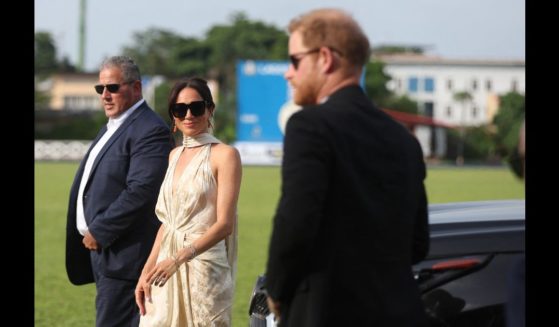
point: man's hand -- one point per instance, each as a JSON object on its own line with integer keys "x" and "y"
{"x": 89, "y": 242}
{"x": 274, "y": 307}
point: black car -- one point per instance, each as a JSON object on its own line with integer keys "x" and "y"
{"x": 463, "y": 280}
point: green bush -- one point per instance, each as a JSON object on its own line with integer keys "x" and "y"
{"x": 68, "y": 125}
{"x": 479, "y": 144}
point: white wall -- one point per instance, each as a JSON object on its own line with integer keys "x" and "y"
{"x": 462, "y": 75}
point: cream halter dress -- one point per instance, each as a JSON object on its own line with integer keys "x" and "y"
{"x": 200, "y": 293}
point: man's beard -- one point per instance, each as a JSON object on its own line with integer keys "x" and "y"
{"x": 304, "y": 94}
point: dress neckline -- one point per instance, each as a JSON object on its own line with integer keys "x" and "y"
{"x": 198, "y": 140}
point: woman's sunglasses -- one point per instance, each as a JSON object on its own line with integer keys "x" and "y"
{"x": 197, "y": 108}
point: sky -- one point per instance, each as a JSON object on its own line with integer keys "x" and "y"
{"x": 458, "y": 29}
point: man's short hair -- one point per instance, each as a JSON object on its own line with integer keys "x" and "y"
{"x": 335, "y": 29}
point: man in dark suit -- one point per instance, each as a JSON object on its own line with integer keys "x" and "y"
{"x": 111, "y": 219}
{"x": 352, "y": 218}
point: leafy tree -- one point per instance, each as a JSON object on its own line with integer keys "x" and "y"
{"x": 165, "y": 53}
{"x": 65, "y": 66}
{"x": 46, "y": 64}
{"x": 401, "y": 103}
{"x": 190, "y": 58}
{"x": 45, "y": 54}
{"x": 161, "y": 52}
{"x": 376, "y": 81}
{"x": 465, "y": 98}
{"x": 162, "y": 93}
{"x": 224, "y": 119}
{"x": 242, "y": 39}
{"x": 479, "y": 143}
{"x": 62, "y": 125}
{"x": 42, "y": 99}
{"x": 508, "y": 120}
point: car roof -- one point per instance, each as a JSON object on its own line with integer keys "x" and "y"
{"x": 467, "y": 228}
{"x": 477, "y": 211}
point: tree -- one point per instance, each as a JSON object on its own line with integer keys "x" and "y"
{"x": 45, "y": 64}
{"x": 376, "y": 81}
{"x": 65, "y": 66}
{"x": 479, "y": 143}
{"x": 463, "y": 97}
{"x": 161, "y": 52}
{"x": 242, "y": 39}
{"x": 508, "y": 120}
{"x": 165, "y": 53}
{"x": 190, "y": 58}
{"x": 162, "y": 92}
{"x": 401, "y": 103}
{"x": 42, "y": 99}
{"x": 45, "y": 54}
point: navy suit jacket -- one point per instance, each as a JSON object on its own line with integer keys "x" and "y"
{"x": 351, "y": 220}
{"x": 119, "y": 200}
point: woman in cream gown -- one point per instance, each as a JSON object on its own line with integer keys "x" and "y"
{"x": 189, "y": 277}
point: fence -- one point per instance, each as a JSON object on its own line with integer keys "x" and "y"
{"x": 54, "y": 150}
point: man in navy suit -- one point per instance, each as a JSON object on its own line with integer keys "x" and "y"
{"x": 111, "y": 223}
{"x": 352, "y": 217}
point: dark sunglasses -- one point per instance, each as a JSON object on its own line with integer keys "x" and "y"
{"x": 112, "y": 88}
{"x": 297, "y": 57}
{"x": 197, "y": 108}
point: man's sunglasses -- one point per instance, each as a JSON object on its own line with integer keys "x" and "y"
{"x": 197, "y": 108}
{"x": 112, "y": 88}
{"x": 297, "y": 57}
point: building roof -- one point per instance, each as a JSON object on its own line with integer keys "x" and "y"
{"x": 411, "y": 120}
{"x": 406, "y": 59}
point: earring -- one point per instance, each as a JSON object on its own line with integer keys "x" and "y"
{"x": 174, "y": 127}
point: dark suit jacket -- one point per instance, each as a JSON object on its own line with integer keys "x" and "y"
{"x": 351, "y": 220}
{"x": 119, "y": 199}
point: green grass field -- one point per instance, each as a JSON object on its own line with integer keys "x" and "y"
{"x": 59, "y": 303}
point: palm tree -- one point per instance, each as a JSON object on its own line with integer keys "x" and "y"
{"x": 465, "y": 98}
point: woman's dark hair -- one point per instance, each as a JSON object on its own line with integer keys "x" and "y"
{"x": 196, "y": 83}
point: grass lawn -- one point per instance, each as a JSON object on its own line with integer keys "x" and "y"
{"x": 59, "y": 303}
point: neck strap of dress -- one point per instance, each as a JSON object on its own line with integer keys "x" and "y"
{"x": 198, "y": 140}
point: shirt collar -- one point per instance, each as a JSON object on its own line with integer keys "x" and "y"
{"x": 114, "y": 123}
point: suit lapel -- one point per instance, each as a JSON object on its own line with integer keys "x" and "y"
{"x": 116, "y": 135}
{"x": 97, "y": 138}
{"x": 84, "y": 160}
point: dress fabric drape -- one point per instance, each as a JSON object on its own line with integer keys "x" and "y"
{"x": 201, "y": 292}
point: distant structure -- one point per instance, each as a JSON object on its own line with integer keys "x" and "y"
{"x": 431, "y": 134}
{"x": 72, "y": 91}
{"x": 392, "y": 49}
{"x": 81, "y": 34}
{"x": 434, "y": 81}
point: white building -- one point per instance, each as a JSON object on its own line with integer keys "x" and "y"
{"x": 433, "y": 82}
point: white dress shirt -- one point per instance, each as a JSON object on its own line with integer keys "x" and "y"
{"x": 112, "y": 125}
